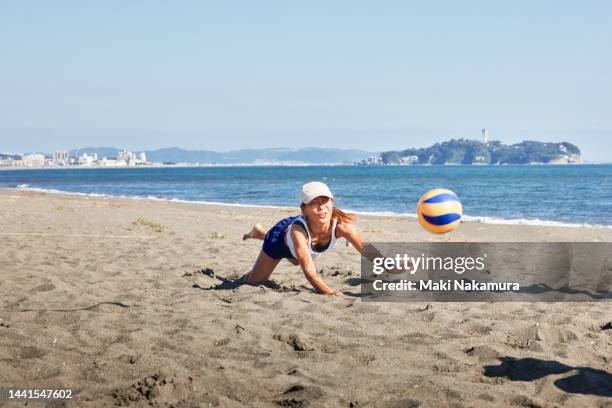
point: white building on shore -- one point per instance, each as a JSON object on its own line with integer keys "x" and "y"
{"x": 127, "y": 158}
{"x": 10, "y": 160}
{"x": 61, "y": 158}
{"x": 373, "y": 160}
{"x": 33, "y": 160}
{"x": 409, "y": 160}
{"x": 88, "y": 160}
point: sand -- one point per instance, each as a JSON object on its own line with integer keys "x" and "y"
{"x": 112, "y": 298}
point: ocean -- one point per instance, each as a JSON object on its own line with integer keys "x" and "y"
{"x": 572, "y": 195}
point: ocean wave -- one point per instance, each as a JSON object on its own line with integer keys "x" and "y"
{"x": 531, "y": 221}
{"x": 466, "y": 218}
{"x": 380, "y": 213}
{"x": 24, "y": 187}
{"x": 492, "y": 220}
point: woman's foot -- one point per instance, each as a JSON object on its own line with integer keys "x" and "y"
{"x": 257, "y": 232}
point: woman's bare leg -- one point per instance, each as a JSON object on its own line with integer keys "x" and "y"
{"x": 263, "y": 268}
{"x": 257, "y": 232}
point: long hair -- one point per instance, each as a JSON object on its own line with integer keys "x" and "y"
{"x": 343, "y": 217}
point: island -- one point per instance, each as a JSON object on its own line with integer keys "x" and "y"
{"x": 463, "y": 151}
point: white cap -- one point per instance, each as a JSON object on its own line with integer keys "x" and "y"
{"x": 314, "y": 189}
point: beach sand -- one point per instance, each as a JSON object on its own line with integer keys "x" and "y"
{"x": 111, "y": 297}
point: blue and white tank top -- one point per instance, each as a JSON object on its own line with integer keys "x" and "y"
{"x": 313, "y": 253}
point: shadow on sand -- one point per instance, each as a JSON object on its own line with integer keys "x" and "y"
{"x": 230, "y": 284}
{"x": 540, "y": 288}
{"x": 585, "y": 380}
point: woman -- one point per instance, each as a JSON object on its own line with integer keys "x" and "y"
{"x": 305, "y": 237}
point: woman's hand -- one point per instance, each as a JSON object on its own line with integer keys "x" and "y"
{"x": 336, "y": 293}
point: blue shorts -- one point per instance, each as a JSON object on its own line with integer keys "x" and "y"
{"x": 274, "y": 242}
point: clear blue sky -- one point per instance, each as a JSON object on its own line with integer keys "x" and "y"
{"x": 374, "y": 75}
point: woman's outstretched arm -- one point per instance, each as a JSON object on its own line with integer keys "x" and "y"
{"x": 300, "y": 242}
{"x": 350, "y": 233}
{"x": 367, "y": 250}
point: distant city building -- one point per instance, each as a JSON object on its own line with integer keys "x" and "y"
{"x": 485, "y": 136}
{"x": 61, "y": 158}
{"x": 33, "y": 160}
{"x": 64, "y": 158}
{"x": 87, "y": 160}
{"x": 108, "y": 162}
{"x": 122, "y": 156}
{"x": 370, "y": 161}
{"x": 7, "y": 159}
{"x": 125, "y": 158}
{"x": 409, "y": 160}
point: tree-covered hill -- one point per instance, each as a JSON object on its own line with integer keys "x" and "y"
{"x": 462, "y": 151}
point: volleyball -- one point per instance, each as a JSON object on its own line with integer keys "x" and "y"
{"x": 439, "y": 211}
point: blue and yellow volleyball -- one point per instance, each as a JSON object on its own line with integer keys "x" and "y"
{"x": 439, "y": 211}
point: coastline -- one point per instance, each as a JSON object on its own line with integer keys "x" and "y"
{"x": 466, "y": 218}
{"x": 182, "y": 165}
{"x": 299, "y": 164}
